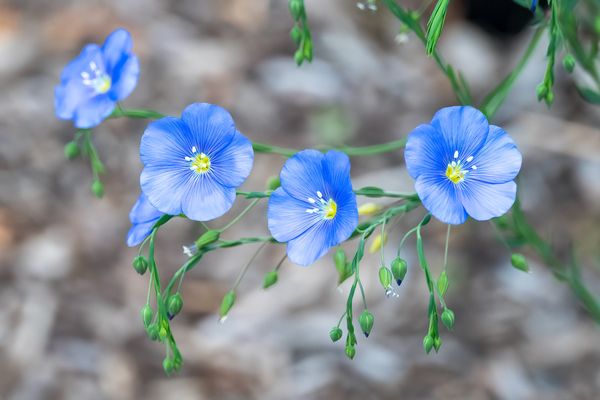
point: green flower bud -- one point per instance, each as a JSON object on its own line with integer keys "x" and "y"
{"x": 162, "y": 333}
{"x": 549, "y": 98}
{"x": 227, "y": 303}
{"x": 385, "y": 277}
{"x": 308, "y": 49}
{"x": 448, "y": 318}
{"x": 296, "y": 7}
{"x": 427, "y": 343}
{"x": 177, "y": 363}
{"x": 541, "y": 90}
{"x": 174, "y": 304}
{"x": 366, "y": 320}
{"x": 437, "y": 343}
{"x": 152, "y": 331}
{"x": 426, "y": 220}
{"x": 339, "y": 258}
{"x": 299, "y": 57}
{"x": 399, "y": 268}
{"x": 270, "y": 279}
{"x": 71, "y": 150}
{"x": 207, "y": 238}
{"x": 350, "y": 352}
{"x": 296, "y": 35}
{"x": 519, "y": 261}
{"x": 98, "y": 189}
{"x": 140, "y": 264}
{"x": 443, "y": 283}
{"x": 273, "y": 182}
{"x": 147, "y": 315}
{"x": 569, "y": 63}
{"x": 168, "y": 366}
{"x": 335, "y": 334}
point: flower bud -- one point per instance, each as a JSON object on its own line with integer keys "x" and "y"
{"x": 366, "y": 320}
{"x": 437, "y": 343}
{"x": 296, "y": 34}
{"x": 569, "y": 63}
{"x": 448, "y": 318}
{"x": 427, "y": 343}
{"x": 385, "y": 277}
{"x": 227, "y": 303}
{"x": 147, "y": 315}
{"x": 549, "y": 98}
{"x": 369, "y": 209}
{"x": 71, "y": 150}
{"x": 207, "y": 238}
{"x": 519, "y": 261}
{"x": 308, "y": 49}
{"x": 378, "y": 242}
{"x": 174, "y": 304}
{"x": 296, "y": 7}
{"x": 152, "y": 331}
{"x": 339, "y": 258}
{"x": 350, "y": 352}
{"x": 399, "y": 268}
{"x": 273, "y": 182}
{"x": 426, "y": 220}
{"x": 270, "y": 279}
{"x": 299, "y": 57}
{"x": 98, "y": 189}
{"x": 335, "y": 334}
{"x": 140, "y": 264}
{"x": 443, "y": 283}
{"x": 168, "y": 366}
{"x": 541, "y": 90}
{"x": 162, "y": 333}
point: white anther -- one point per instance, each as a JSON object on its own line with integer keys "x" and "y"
{"x": 474, "y": 167}
{"x": 311, "y": 200}
{"x": 455, "y": 153}
{"x": 188, "y": 159}
{"x": 470, "y": 158}
{"x": 319, "y": 194}
{"x": 453, "y": 163}
{"x": 194, "y": 150}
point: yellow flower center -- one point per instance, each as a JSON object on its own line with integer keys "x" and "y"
{"x": 97, "y": 79}
{"x": 200, "y": 164}
{"x": 456, "y": 170}
{"x": 330, "y": 209}
{"x": 327, "y": 209}
{"x": 103, "y": 84}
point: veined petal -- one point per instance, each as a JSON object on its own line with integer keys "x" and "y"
{"x": 81, "y": 63}
{"x": 206, "y": 199}
{"x": 484, "y": 201}
{"x": 142, "y": 211}
{"x": 302, "y": 175}
{"x": 69, "y": 95}
{"x": 165, "y": 187}
{"x": 464, "y": 128}
{"x": 499, "y": 160}
{"x": 138, "y": 232}
{"x": 211, "y": 127}
{"x": 116, "y": 48}
{"x": 93, "y": 111}
{"x": 440, "y": 198}
{"x": 232, "y": 165}
{"x": 287, "y": 217}
{"x": 166, "y": 143}
{"x": 311, "y": 245}
{"x": 124, "y": 78}
{"x": 425, "y": 151}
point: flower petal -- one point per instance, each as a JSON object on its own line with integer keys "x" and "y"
{"x": 311, "y": 245}
{"x": 211, "y": 127}
{"x": 464, "y": 129}
{"x": 124, "y": 78}
{"x": 93, "y": 111}
{"x": 165, "y": 143}
{"x": 336, "y": 168}
{"x": 206, "y": 199}
{"x": 499, "y": 160}
{"x": 484, "y": 201}
{"x": 138, "y": 232}
{"x": 165, "y": 187}
{"x": 302, "y": 175}
{"x": 439, "y": 197}
{"x": 142, "y": 211}
{"x": 116, "y": 49}
{"x": 69, "y": 95}
{"x": 425, "y": 151}
{"x": 287, "y": 217}
{"x": 232, "y": 165}
{"x": 81, "y": 63}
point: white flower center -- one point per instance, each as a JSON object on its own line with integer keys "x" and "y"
{"x": 457, "y": 170}
{"x": 327, "y": 209}
{"x": 199, "y": 162}
{"x": 98, "y": 80}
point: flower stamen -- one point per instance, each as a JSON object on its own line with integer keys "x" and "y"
{"x": 456, "y": 171}
{"x": 327, "y": 209}
{"x": 200, "y": 163}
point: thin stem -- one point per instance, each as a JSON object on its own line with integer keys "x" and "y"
{"x": 406, "y": 235}
{"x": 383, "y": 242}
{"x": 280, "y": 263}
{"x": 245, "y": 269}
{"x": 446, "y": 246}
{"x": 241, "y": 215}
{"x": 341, "y": 319}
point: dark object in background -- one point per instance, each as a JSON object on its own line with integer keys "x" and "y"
{"x": 499, "y": 17}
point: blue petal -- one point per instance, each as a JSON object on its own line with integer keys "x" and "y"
{"x": 439, "y": 197}
{"x": 287, "y": 217}
{"x": 124, "y": 78}
{"x": 425, "y": 151}
{"x": 74, "y": 68}
{"x": 311, "y": 245}
{"x": 499, "y": 160}
{"x": 463, "y": 128}
{"x": 116, "y": 49}
{"x": 211, "y": 127}
{"x": 206, "y": 199}
{"x": 138, "y": 232}
{"x": 302, "y": 175}
{"x": 232, "y": 165}
{"x": 337, "y": 175}
{"x": 93, "y": 111}
{"x": 484, "y": 201}
{"x": 165, "y": 143}
{"x": 142, "y": 211}
{"x": 69, "y": 95}
{"x": 165, "y": 187}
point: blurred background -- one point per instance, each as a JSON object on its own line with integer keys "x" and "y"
{"x": 70, "y": 301}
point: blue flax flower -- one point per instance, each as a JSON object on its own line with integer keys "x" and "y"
{"x": 96, "y": 79}
{"x": 194, "y": 164}
{"x": 315, "y": 207}
{"x": 463, "y": 166}
{"x": 143, "y": 216}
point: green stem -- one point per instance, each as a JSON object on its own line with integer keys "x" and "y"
{"x": 240, "y": 215}
{"x": 245, "y": 269}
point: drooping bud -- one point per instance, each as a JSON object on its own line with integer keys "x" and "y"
{"x": 140, "y": 264}
{"x": 296, "y": 7}
{"x": 378, "y": 242}
{"x": 273, "y": 182}
{"x": 448, "y": 318}
{"x": 147, "y": 315}
{"x": 153, "y": 332}
{"x": 174, "y": 304}
{"x": 385, "y": 277}
{"x": 541, "y": 91}
{"x": 296, "y": 34}
{"x": 207, "y": 238}
{"x": 227, "y": 303}
{"x": 437, "y": 343}
{"x": 366, "y": 320}
{"x": 569, "y": 63}
{"x": 519, "y": 261}
{"x": 350, "y": 352}
{"x": 168, "y": 366}
{"x": 335, "y": 334}
{"x": 270, "y": 279}
{"x": 299, "y": 57}
{"x": 399, "y": 268}
{"x": 369, "y": 209}
{"x": 443, "y": 283}
{"x": 427, "y": 343}
{"x": 98, "y": 189}
{"x": 71, "y": 150}
{"x": 343, "y": 267}
{"x": 426, "y": 220}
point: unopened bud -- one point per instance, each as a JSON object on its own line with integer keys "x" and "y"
{"x": 207, "y": 238}
{"x": 385, "y": 277}
{"x": 437, "y": 343}
{"x": 140, "y": 264}
{"x": 350, "y": 352}
{"x": 569, "y": 63}
{"x": 448, "y": 318}
{"x": 427, "y": 343}
{"x": 369, "y": 209}
{"x": 335, "y": 334}
{"x": 296, "y": 34}
{"x": 71, "y": 150}
{"x": 378, "y": 242}
{"x": 174, "y": 304}
{"x": 426, "y": 220}
{"x": 227, "y": 303}
{"x": 296, "y": 7}
{"x": 541, "y": 91}
{"x": 519, "y": 261}
{"x": 98, "y": 189}
{"x": 299, "y": 57}
{"x": 270, "y": 279}
{"x": 273, "y": 182}
{"x": 168, "y": 366}
{"x": 147, "y": 315}
{"x": 152, "y": 331}
{"x": 399, "y": 268}
{"x": 366, "y": 320}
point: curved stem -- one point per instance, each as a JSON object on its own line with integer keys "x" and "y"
{"x": 240, "y": 215}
